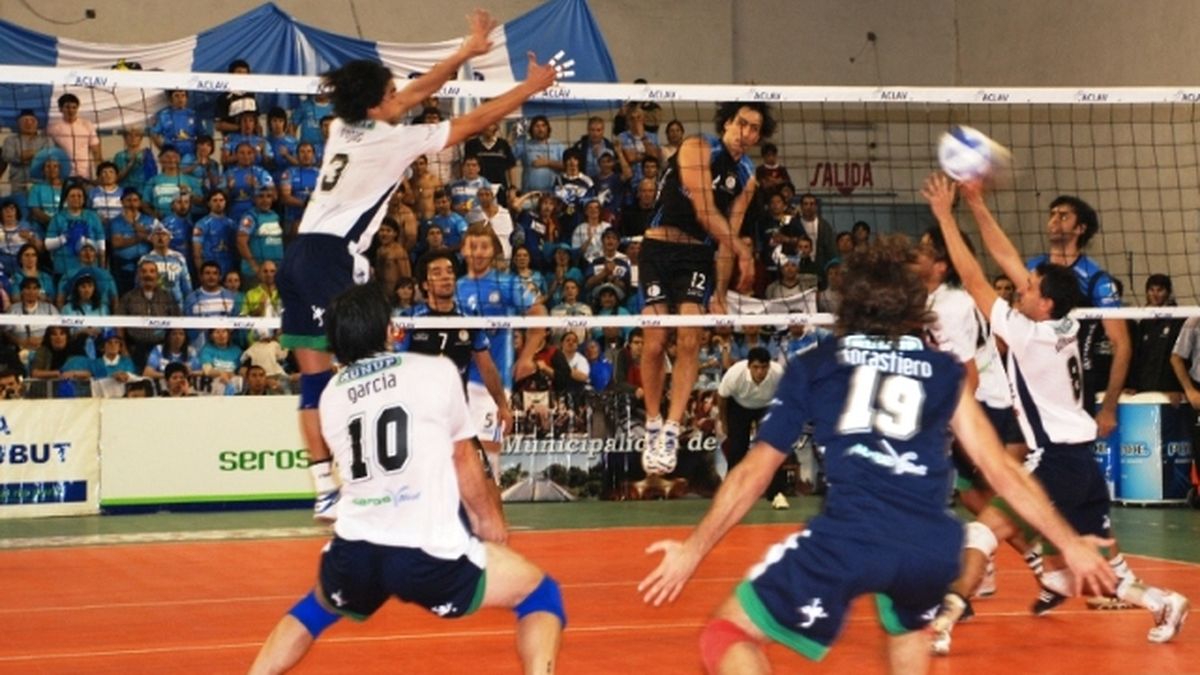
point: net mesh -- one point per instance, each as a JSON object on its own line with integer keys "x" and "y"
{"x": 1131, "y": 153}
{"x": 863, "y": 152}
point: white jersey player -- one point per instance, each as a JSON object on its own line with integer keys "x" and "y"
{"x": 1045, "y": 371}
{"x": 364, "y": 162}
{"x": 407, "y": 459}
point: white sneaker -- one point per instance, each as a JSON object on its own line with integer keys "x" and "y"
{"x": 650, "y": 459}
{"x": 669, "y": 448}
{"x": 780, "y": 503}
{"x": 987, "y": 585}
{"x": 660, "y": 455}
{"x": 1169, "y": 620}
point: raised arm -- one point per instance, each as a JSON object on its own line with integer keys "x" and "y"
{"x": 475, "y": 44}
{"x": 538, "y": 77}
{"x": 995, "y": 241}
{"x": 939, "y": 192}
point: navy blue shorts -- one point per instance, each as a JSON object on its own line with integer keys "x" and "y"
{"x": 1075, "y": 484}
{"x": 1004, "y": 421}
{"x": 800, "y": 594}
{"x": 675, "y": 273}
{"x": 316, "y": 269}
{"x": 357, "y": 577}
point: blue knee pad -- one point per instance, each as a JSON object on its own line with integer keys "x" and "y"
{"x": 311, "y": 386}
{"x": 545, "y": 598}
{"x": 313, "y": 615}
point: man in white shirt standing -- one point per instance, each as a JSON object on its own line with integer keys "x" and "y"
{"x": 743, "y": 397}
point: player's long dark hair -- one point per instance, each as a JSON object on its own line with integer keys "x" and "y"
{"x": 356, "y": 323}
{"x": 729, "y": 109}
{"x": 355, "y": 87}
{"x": 881, "y": 292}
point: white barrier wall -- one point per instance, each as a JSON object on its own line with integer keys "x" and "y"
{"x": 49, "y": 458}
{"x": 200, "y": 450}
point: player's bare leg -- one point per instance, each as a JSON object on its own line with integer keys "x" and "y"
{"x": 908, "y": 653}
{"x": 285, "y": 646}
{"x": 654, "y": 349}
{"x": 684, "y": 370}
{"x": 314, "y": 362}
{"x": 982, "y": 538}
{"x": 513, "y": 581}
{"x": 535, "y": 339}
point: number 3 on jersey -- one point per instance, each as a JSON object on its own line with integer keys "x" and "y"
{"x": 333, "y": 171}
{"x": 387, "y": 447}
{"x": 888, "y": 404}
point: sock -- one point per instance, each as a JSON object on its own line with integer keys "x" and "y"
{"x": 322, "y": 475}
{"x": 1135, "y": 592}
{"x": 654, "y": 424}
{"x": 1034, "y": 560}
{"x": 671, "y": 428}
{"x": 1121, "y": 567}
{"x": 1058, "y": 581}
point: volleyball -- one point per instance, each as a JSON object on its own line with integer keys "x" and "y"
{"x": 968, "y": 154}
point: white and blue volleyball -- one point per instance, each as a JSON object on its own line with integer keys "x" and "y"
{"x": 967, "y": 154}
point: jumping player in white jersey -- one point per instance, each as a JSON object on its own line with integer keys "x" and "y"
{"x": 365, "y": 159}
{"x": 960, "y": 329}
{"x": 880, "y": 403}
{"x": 1045, "y": 374}
{"x": 404, "y": 444}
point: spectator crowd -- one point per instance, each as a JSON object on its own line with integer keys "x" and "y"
{"x": 191, "y": 217}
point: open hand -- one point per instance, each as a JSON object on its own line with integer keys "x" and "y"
{"x": 667, "y": 580}
{"x": 482, "y": 24}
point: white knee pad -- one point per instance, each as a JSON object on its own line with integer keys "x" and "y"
{"x": 980, "y": 538}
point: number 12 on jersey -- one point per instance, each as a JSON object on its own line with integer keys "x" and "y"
{"x": 887, "y": 404}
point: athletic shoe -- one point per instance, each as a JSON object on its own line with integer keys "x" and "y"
{"x": 1046, "y": 601}
{"x": 954, "y": 609}
{"x": 987, "y": 585}
{"x": 325, "y": 506}
{"x": 667, "y": 449}
{"x": 1169, "y": 620}
{"x": 941, "y": 642}
{"x": 780, "y": 503}
{"x": 1107, "y": 602}
{"x": 650, "y": 458}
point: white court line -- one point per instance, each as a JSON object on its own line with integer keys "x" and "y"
{"x": 458, "y": 635}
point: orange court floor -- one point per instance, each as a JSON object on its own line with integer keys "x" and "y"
{"x": 197, "y": 593}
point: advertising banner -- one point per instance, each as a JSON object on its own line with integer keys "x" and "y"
{"x": 49, "y": 463}
{"x": 202, "y": 450}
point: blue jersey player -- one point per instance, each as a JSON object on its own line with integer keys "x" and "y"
{"x": 484, "y": 291}
{"x": 705, "y": 192}
{"x": 882, "y": 404}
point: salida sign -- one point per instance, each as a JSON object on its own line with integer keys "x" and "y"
{"x": 845, "y": 177}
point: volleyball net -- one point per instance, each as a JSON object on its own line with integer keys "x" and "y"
{"x": 862, "y": 152}
{"x": 1130, "y": 152}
